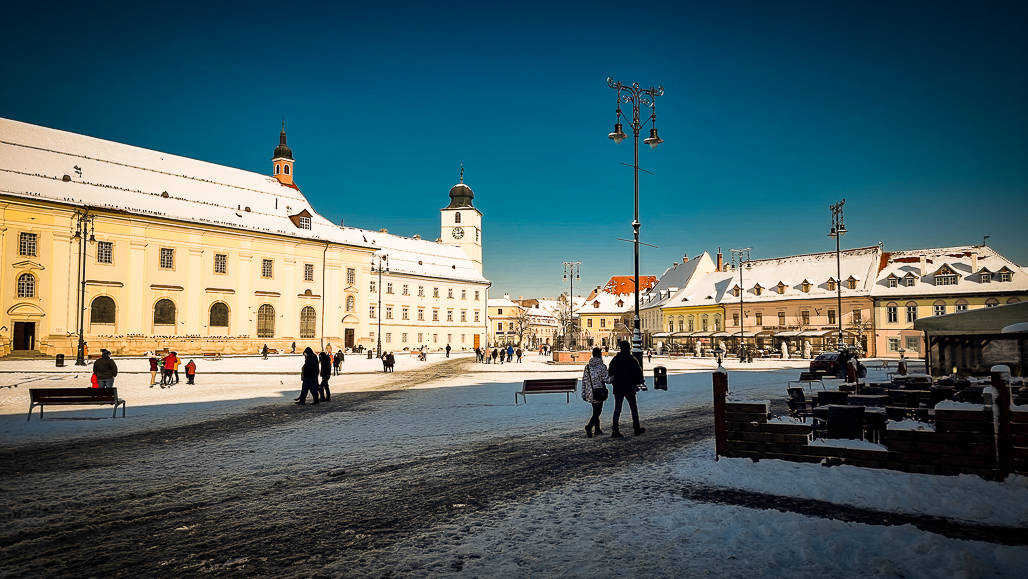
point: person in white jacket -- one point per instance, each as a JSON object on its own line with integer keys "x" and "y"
{"x": 594, "y": 376}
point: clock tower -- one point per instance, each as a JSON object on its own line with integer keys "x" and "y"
{"x": 461, "y": 223}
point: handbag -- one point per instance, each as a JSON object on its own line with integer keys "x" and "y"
{"x": 600, "y": 393}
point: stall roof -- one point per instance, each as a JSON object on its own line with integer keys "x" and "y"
{"x": 982, "y": 321}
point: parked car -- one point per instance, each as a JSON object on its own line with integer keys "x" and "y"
{"x": 827, "y": 363}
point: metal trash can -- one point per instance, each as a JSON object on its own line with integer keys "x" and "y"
{"x": 371, "y": 353}
{"x": 659, "y": 378}
{"x": 60, "y": 360}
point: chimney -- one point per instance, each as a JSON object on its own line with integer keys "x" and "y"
{"x": 506, "y": 296}
{"x": 974, "y": 262}
{"x": 720, "y": 261}
{"x": 674, "y": 266}
{"x": 924, "y": 266}
{"x": 685, "y": 258}
{"x": 383, "y": 230}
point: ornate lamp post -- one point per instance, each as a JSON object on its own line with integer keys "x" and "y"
{"x": 572, "y": 269}
{"x": 636, "y": 96}
{"x": 84, "y": 230}
{"x": 837, "y": 231}
{"x": 380, "y": 263}
{"x": 738, "y": 257}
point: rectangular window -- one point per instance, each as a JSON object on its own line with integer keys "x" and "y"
{"x": 781, "y": 318}
{"x": 374, "y": 286}
{"x": 403, "y": 338}
{"x": 805, "y": 318}
{"x": 894, "y": 344}
{"x": 909, "y": 281}
{"x": 405, "y": 313}
{"x": 308, "y": 272}
{"x": 389, "y": 287}
{"x": 421, "y": 292}
{"x": 421, "y": 315}
{"x": 986, "y": 278}
{"x": 831, "y": 316}
{"x": 27, "y": 244}
{"x": 435, "y": 338}
{"x": 1004, "y": 276}
{"x": 476, "y": 315}
{"x": 421, "y": 338}
{"x": 405, "y": 290}
{"x": 463, "y": 315}
{"x": 962, "y": 307}
{"x": 220, "y": 263}
{"x": 759, "y": 318}
{"x": 267, "y": 268}
{"x": 735, "y": 319}
{"x": 389, "y": 337}
{"x": 389, "y": 312}
{"x": 167, "y": 258}
{"x": 371, "y": 312}
{"x": 449, "y": 315}
{"x": 435, "y": 292}
{"x": 435, "y": 315}
{"x": 372, "y": 336}
{"x": 463, "y": 296}
{"x": 449, "y": 293}
{"x": 911, "y": 313}
{"x": 499, "y": 326}
{"x": 891, "y": 315}
{"x": 104, "y": 252}
{"x": 939, "y": 309}
{"x": 589, "y": 322}
{"x": 305, "y": 222}
{"x": 603, "y": 322}
{"x": 476, "y": 295}
{"x": 892, "y": 283}
{"x": 857, "y": 316}
{"x": 913, "y": 344}
{"x": 945, "y": 280}
{"x": 351, "y": 275}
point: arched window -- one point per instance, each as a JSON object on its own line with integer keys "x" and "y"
{"x": 285, "y": 169}
{"x": 349, "y": 303}
{"x": 1013, "y": 301}
{"x": 308, "y": 317}
{"x": 991, "y": 303}
{"x": 219, "y": 315}
{"x": 26, "y": 285}
{"x": 278, "y": 168}
{"x": 266, "y": 321}
{"x": 692, "y": 324}
{"x": 717, "y": 323}
{"x": 164, "y": 312}
{"x": 456, "y": 217}
{"x": 101, "y": 311}
{"x": 939, "y": 308}
{"x": 705, "y": 322}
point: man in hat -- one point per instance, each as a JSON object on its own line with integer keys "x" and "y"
{"x": 105, "y": 370}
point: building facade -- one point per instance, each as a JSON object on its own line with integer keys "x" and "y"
{"x": 159, "y": 251}
{"x": 606, "y": 316}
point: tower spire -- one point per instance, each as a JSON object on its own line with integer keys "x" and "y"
{"x": 282, "y": 158}
{"x": 462, "y": 171}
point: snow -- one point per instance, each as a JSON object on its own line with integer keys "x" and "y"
{"x": 848, "y": 443}
{"x": 907, "y": 262}
{"x": 910, "y": 425}
{"x": 954, "y": 405}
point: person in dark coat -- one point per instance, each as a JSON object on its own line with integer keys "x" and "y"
{"x": 326, "y": 373}
{"x": 154, "y": 368}
{"x": 309, "y": 377}
{"x": 337, "y": 362}
{"x": 625, "y": 373}
{"x": 390, "y": 361}
{"x": 447, "y": 350}
{"x": 105, "y": 370}
{"x": 264, "y": 351}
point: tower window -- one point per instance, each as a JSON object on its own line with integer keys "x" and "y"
{"x": 285, "y": 169}
{"x": 26, "y": 286}
{"x": 456, "y": 217}
{"x": 278, "y": 168}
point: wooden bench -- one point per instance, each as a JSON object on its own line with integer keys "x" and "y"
{"x": 74, "y": 397}
{"x": 809, "y": 378}
{"x": 547, "y": 386}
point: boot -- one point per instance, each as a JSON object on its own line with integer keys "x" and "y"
{"x": 615, "y": 432}
{"x": 589, "y": 430}
{"x": 639, "y": 430}
{"x": 597, "y": 431}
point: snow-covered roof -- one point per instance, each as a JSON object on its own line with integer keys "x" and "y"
{"x": 503, "y": 302}
{"x": 675, "y": 279}
{"x": 815, "y": 268}
{"x": 422, "y": 257}
{"x": 604, "y": 301}
{"x": 968, "y": 262}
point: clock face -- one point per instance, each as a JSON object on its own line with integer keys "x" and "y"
{"x": 458, "y": 232}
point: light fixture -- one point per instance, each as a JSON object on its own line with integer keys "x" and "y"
{"x": 653, "y": 140}
{"x": 618, "y": 135}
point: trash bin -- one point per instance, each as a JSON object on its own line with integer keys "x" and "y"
{"x": 60, "y": 360}
{"x": 371, "y": 354}
{"x": 659, "y": 378}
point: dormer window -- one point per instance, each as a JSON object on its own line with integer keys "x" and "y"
{"x": 851, "y": 283}
{"x": 736, "y": 291}
{"x": 301, "y": 220}
{"x": 1005, "y": 274}
{"x": 986, "y": 277}
{"x": 831, "y": 284}
{"x": 757, "y": 290}
{"x": 596, "y": 304}
{"x": 781, "y": 288}
{"x": 891, "y": 281}
{"x": 305, "y": 222}
{"x": 909, "y": 280}
{"x": 945, "y": 279}
{"x": 805, "y": 286}
{"x": 621, "y": 303}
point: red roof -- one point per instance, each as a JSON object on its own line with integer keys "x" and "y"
{"x": 625, "y": 284}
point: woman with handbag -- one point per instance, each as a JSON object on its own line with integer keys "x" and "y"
{"x": 594, "y": 389}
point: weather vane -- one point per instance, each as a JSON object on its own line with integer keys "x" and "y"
{"x": 462, "y": 171}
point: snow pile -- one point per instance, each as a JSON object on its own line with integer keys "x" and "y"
{"x": 910, "y": 425}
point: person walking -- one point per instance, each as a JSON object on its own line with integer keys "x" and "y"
{"x": 594, "y": 390}
{"x": 649, "y": 355}
{"x": 326, "y": 373}
{"x": 494, "y": 354}
{"x": 105, "y": 370}
{"x": 169, "y": 369}
{"x": 385, "y": 362}
{"x": 190, "y": 372}
{"x": 338, "y": 361}
{"x": 264, "y": 351}
{"x": 154, "y": 368}
{"x": 309, "y": 377}
{"x": 447, "y": 350}
{"x": 510, "y": 354}
{"x": 625, "y": 374}
{"x": 391, "y": 361}
{"x": 519, "y": 353}
{"x": 177, "y": 362}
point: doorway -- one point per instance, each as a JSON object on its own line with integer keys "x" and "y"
{"x": 348, "y": 337}
{"x": 478, "y": 341}
{"x": 24, "y": 335}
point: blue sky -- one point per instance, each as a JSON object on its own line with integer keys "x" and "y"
{"x": 915, "y": 112}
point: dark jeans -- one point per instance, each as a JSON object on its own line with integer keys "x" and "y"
{"x": 619, "y": 397}
{"x": 326, "y": 394}
{"x": 176, "y": 376}
{"x": 594, "y": 422}
{"x": 309, "y": 386}
{"x": 166, "y": 377}
{"x": 190, "y": 378}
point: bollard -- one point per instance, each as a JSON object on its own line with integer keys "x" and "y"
{"x": 659, "y": 378}
{"x": 60, "y": 360}
{"x": 720, "y": 379}
{"x": 1001, "y": 418}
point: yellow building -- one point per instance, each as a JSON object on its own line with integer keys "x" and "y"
{"x": 508, "y": 322}
{"x": 159, "y": 251}
{"x": 607, "y": 314}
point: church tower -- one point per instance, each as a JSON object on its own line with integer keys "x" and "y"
{"x": 462, "y": 223}
{"x": 283, "y": 160}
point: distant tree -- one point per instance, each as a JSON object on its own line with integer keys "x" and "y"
{"x": 519, "y": 325}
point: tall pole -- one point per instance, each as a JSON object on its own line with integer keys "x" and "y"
{"x": 737, "y": 256}
{"x": 572, "y": 269}
{"x": 382, "y": 262}
{"x": 635, "y": 95}
{"x": 83, "y": 221}
{"x": 837, "y": 231}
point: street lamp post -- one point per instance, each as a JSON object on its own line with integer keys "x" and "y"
{"x": 636, "y": 96}
{"x": 572, "y": 269}
{"x": 380, "y": 262}
{"x": 84, "y": 230}
{"x": 738, "y": 257}
{"x": 837, "y": 231}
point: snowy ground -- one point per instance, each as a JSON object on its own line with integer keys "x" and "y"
{"x": 435, "y": 471}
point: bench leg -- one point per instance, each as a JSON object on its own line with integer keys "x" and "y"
{"x": 32, "y": 406}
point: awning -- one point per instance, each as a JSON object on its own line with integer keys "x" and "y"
{"x": 788, "y": 334}
{"x": 720, "y": 335}
{"x": 681, "y": 334}
{"x": 981, "y": 321}
{"x": 744, "y": 334}
{"x": 662, "y": 335}
{"x": 811, "y": 333}
{"x": 701, "y": 334}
